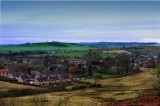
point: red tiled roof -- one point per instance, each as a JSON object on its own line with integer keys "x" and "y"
{"x": 2, "y": 70}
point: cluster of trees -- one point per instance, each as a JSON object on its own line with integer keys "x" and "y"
{"x": 116, "y": 66}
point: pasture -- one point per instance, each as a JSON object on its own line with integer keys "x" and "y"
{"x": 47, "y": 46}
{"x": 78, "y": 54}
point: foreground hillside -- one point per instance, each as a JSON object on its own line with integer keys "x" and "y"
{"x": 5, "y": 86}
{"x": 47, "y": 46}
{"x": 113, "y": 91}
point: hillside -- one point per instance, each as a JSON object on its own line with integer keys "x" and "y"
{"x": 118, "y": 44}
{"x": 44, "y": 46}
{"x": 114, "y": 90}
{"x": 48, "y": 46}
{"x": 145, "y": 50}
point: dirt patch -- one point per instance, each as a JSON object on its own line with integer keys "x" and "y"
{"x": 144, "y": 101}
{"x": 118, "y": 52}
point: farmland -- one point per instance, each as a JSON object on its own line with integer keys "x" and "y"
{"x": 52, "y": 46}
{"x": 146, "y": 50}
{"x": 44, "y": 46}
{"x": 117, "y": 51}
{"x": 79, "y": 54}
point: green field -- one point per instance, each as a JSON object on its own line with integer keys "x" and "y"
{"x": 81, "y": 54}
{"x": 44, "y": 46}
{"x": 107, "y": 76}
{"x": 78, "y": 54}
{"x": 76, "y": 84}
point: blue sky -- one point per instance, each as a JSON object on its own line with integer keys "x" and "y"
{"x": 39, "y": 21}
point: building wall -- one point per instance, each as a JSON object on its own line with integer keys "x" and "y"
{"x": 36, "y": 82}
{"x": 20, "y": 79}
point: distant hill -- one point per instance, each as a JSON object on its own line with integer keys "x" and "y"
{"x": 118, "y": 44}
{"x": 44, "y": 46}
{"x": 51, "y": 46}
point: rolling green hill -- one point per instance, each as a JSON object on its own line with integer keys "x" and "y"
{"x": 119, "y": 44}
{"x": 50, "y": 46}
{"x": 45, "y": 46}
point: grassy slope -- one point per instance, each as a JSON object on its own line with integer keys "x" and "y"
{"x": 5, "y": 86}
{"x": 150, "y": 50}
{"x": 126, "y": 88}
{"x": 44, "y": 46}
{"x": 137, "y": 81}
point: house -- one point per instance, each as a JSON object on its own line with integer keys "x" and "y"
{"x": 54, "y": 79}
{"x": 23, "y": 78}
{"x": 11, "y": 75}
{"x": 2, "y": 73}
{"x": 66, "y": 77}
{"x": 5, "y": 73}
{"x": 44, "y": 74}
{"x": 35, "y": 73}
{"x": 3, "y": 70}
{"x": 41, "y": 81}
{"x": 32, "y": 77}
{"x": 16, "y": 75}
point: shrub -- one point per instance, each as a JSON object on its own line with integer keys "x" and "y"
{"x": 20, "y": 92}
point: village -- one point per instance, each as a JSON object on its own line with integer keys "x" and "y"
{"x": 52, "y": 70}
{"x": 37, "y": 78}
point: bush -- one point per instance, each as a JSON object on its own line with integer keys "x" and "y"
{"x": 95, "y": 85}
{"x": 20, "y": 92}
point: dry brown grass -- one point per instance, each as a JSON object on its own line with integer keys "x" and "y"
{"x": 126, "y": 88}
{"x": 5, "y": 86}
{"x": 118, "y": 51}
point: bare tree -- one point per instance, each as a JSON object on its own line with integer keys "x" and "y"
{"x": 96, "y": 79}
{"x": 156, "y": 81}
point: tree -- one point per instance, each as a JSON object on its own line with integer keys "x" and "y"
{"x": 21, "y": 67}
{"x": 28, "y": 70}
{"x": 90, "y": 71}
{"x": 92, "y": 56}
{"x": 156, "y": 81}
{"x": 122, "y": 63}
{"x": 72, "y": 69}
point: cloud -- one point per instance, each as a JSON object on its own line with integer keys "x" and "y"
{"x": 79, "y": 21}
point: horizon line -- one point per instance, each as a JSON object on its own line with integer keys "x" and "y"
{"x": 78, "y": 42}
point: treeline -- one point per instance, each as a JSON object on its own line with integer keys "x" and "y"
{"x": 121, "y": 65}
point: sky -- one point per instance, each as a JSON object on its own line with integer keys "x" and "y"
{"x": 79, "y": 21}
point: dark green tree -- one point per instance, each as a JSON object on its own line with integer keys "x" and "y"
{"x": 90, "y": 70}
